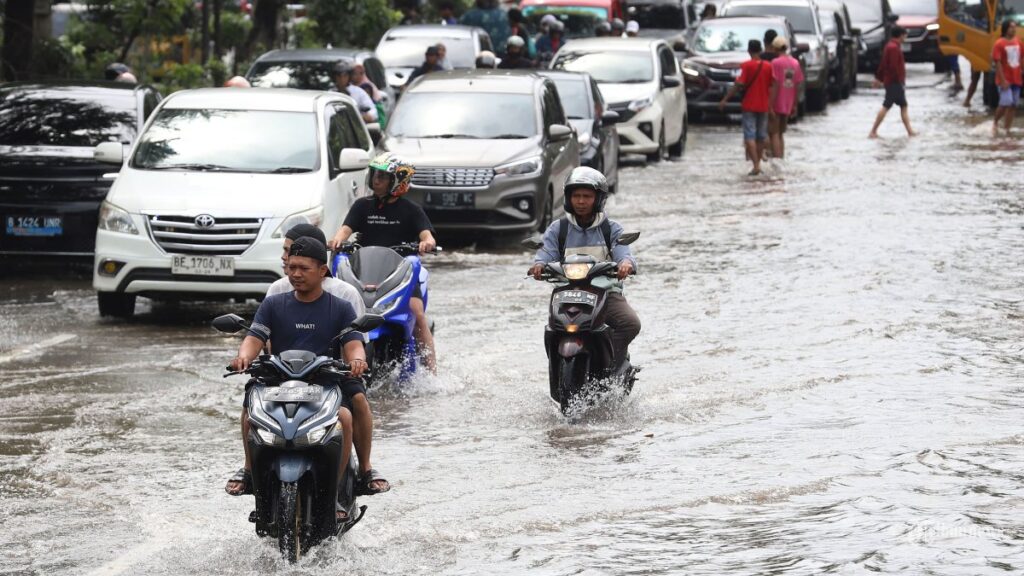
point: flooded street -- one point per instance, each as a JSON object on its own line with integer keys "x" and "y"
{"x": 832, "y": 383}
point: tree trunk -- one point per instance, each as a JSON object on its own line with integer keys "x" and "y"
{"x": 264, "y": 24}
{"x": 218, "y": 50}
{"x": 204, "y": 35}
{"x": 16, "y": 57}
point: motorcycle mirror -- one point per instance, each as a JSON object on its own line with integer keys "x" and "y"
{"x": 368, "y": 322}
{"x": 229, "y": 323}
{"x": 627, "y": 238}
{"x": 533, "y": 243}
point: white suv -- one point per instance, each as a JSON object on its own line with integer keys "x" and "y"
{"x": 640, "y": 79}
{"x": 217, "y": 177}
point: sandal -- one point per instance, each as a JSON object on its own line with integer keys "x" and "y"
{"x": 340, "y": 513}
{"x": 243, "y": 477}
{"x": 363, "y": 484}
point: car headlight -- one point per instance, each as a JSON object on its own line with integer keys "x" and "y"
{"x": 526, "y": 167}
{"x": 815, "y": 56}
{"x": 691, "y": 70}
{"x": 314, "y": 216}
{"x": 638, "y": 105}
{"x": 932, "y": 27}
{"x": 115, "y": 219}
{"x": 576, "y": 271}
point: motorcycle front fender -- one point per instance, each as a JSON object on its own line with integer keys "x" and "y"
{"x": 569, "y": 346}
{"x": 290, "y": 466}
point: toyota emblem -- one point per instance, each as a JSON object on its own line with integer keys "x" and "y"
{"x": 205, "y": 221}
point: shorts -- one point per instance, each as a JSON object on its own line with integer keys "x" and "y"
{"x": 755, "y": 126}
{"x": 777, "y": 124}
{"x": 954, "y": 63}
{"x": 894, "y": 94}
{"x": 1009, "y": 97}
{"x": 349, "y": 387}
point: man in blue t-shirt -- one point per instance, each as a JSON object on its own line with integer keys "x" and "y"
{"x": 309, "y": 319}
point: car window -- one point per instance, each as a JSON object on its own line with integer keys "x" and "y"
{"x": 866, "y": 10}
{"x": 375, "y": 72}
{"x": 598, "y": 97}
{"x": 668, "y": 62}
{"x": 339, "y": 133}
{"x": 301, "y": 75}
{"x": 722, "y": 36}
{"x": 553, "y": 112}
{"x": 573, "y": 95}
{"x": 828, "y": 24}
{"x": 149, "y": 103}
{"x": 464, "y": 115}
{"x": 399, "y": 51}
{"x": 973, "y": 13}
{"x": 356, "y": 128}
{"x": 62, "y": 117}
{"x": 609, "y": 67}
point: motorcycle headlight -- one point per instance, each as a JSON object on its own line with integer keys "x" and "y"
{"x": 383, "y": 309}
{"x": 315, "y": 435}
{"x": 314, "y": 216}
{"x": 116, "y": 219}
{"x": 576, "y": 271}
{"x": 526, "y": 167}
{"x": 638, "y": 105}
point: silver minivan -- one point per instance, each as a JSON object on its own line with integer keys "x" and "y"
{"x": 491, "y": 149}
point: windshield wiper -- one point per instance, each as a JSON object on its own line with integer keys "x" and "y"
{"x": 509, "y": 136}
{"x": 450, "y": 136}
{"x": 197, "y": 167}
{"x": 576, "y": 118}
{"x": 288, "y": 170}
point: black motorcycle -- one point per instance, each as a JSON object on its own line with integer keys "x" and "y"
{"x": 295, "y": 444}
{"x": 581, "y": 362}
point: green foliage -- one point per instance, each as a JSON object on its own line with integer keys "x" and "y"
{"x": 181, "y": 77}
{"x": 358, "y": 23}
{"x": 216, "y": 72}
{"x": 58, "y": 58}
{"x": 305, "y": 34}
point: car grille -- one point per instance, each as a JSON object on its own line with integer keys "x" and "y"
{"x": 916, "y": 33}
{"x": 721, "y": 75}
{"x": 453, "y": 177}
{"x": 224, "y": 237}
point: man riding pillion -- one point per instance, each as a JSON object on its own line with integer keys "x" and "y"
{"x": 387, "y": 219}
{"x": 586, "y": 229}
{"x": 308, "y": 318}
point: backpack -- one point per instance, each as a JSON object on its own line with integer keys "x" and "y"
{"x": 563, "y": 233}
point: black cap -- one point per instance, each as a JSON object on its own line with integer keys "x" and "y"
{"x": 754, "y": 47}
{"x": 310, "y": 248}
{"x": 305, "y": 230}
{"x": 433, "y": 51}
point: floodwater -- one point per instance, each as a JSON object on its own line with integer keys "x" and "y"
{"x": 832, "y": 383}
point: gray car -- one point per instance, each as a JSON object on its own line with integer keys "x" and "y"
{"x": 491, "y": 149}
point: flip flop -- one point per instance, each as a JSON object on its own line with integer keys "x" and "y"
{"x": 363, "y": 487}
{"x": 244, "y": 477}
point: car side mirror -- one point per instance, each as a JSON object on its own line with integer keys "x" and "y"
{"x": 368, "y": 322}
{"x": 670, "y": 82}
{"x": 627, "y": 238}
{"x": 680, "y": 46}
{"x": 533, "y": 243}
{"x": 375, "y": 132}
{"x": 229, "y": 323}
{"x": 609, "y": 117}
{"x": 109, "y": 152}
{"x": 559, "y": 132}
{"x": 352, "y": 159}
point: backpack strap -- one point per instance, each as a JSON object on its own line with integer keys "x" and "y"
{"x": 606, "y": 230}
{"x": 563, "y": 233}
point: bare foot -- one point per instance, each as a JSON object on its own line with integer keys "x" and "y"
{"x": 873, "y": 136}
{"x": 967, "y": 104}
{"x": 912, "y": 133}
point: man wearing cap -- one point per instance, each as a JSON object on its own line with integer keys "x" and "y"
{"x": 786, "y": 79}
{"x": 343, "y": 80}
{"x": 308, "y": 318}
{"x": 331, "y": 285}
{"x": 430, "y": 64}
{"x": 632, "y": 28}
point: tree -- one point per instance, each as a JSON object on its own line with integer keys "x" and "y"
{"x": 17, "y": 50}
{"x": 358, "y": 23}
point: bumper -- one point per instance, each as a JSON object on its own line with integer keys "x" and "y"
{"x": 507, "y": 204}
{"x": 923, "y": 49}
{"x": 639, "y": 135}
{"x": 147, "y": 269}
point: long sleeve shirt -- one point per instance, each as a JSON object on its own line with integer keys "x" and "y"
{"x": 590, "y": 238}
{"x": 892, "y": 69}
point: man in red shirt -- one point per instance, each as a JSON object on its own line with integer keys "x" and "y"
{"x": 1006, "y": 54}
{"x": 756, "y": 81}
{"x": 892, "y": 73}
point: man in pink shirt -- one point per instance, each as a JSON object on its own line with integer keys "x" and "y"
{"x": 787, "y": 77}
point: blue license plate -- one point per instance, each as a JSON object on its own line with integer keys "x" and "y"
{"x": 35, "y": 226}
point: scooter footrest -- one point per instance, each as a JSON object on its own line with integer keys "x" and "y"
{"x": 252, "y": 517}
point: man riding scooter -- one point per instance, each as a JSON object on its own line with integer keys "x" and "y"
{"x": 586, "y": 229}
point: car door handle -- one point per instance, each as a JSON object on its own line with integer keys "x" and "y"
{"x": 355, "y": 188}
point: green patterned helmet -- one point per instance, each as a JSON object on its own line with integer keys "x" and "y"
{"x": 399, "y": 173}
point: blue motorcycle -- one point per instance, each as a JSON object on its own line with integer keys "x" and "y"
{"x": 386, "y": 278}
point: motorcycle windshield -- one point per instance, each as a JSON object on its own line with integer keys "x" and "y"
{"x": 373, "y": 264}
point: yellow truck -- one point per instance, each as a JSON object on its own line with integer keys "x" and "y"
{"x": 970, "y": 28}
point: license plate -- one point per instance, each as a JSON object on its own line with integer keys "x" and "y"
{"x": 905, "y": 47}
{"x": 445, "y": 199}
{"x": 35, "y": 226}
{"x": 576, "y": 297}
{"x": 310, "y": 393}
{"x": 203, "y": 265}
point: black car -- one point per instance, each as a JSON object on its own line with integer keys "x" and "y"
{"x": 594, "y": 122}
{"x": 51, "y": 186}
{"x": 312, "y": 69}
{"x": 843, "y": 38}
{"x": 718, "y": 48}
{"x": 666, "y": 19}
{"x": 875, "y": 19}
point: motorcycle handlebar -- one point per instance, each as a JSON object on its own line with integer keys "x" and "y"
{"x": 405, "y": 249}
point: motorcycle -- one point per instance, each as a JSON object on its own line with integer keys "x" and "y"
{"x": 295, "y": 445}
{"x": 386, "y": 279}
{"x": 578, "y": 343}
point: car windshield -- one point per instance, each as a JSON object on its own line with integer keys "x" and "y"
{"x": 579, "y": 21}
{"x": 408, "y": 51}
{"x": 664, "y": 14}
{"x": 302, "y": 75}
{"x": 63, "y": 117}
{"x": 800, "y": 17}
{"x": 915, "y": 7}
{"x": 464, "y": 115}
{"x": 230, "y": 141}
{"x": 724, "y": 36}
{"x": 609, "y": 67}
{"x": 573, "y": 94}
{"x": 865, "y": 10}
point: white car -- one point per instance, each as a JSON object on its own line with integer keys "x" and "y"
{"x": 217, "y": 177}
{"x": 640, "y": 79}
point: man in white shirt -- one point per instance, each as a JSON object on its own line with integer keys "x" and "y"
{"x": 343, "y": 80}
{"x": 331, "y": 285}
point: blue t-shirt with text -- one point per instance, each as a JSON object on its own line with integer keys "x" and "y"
{"x": 296, "y": 325}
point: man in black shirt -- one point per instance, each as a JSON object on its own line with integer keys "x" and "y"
{"x": 430, "y": 64}
{"x": 387, "y": 219}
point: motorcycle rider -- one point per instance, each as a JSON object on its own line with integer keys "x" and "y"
{"x": 586, "y": 229}
{"x": 387, "y": 219}
{"x": 308, "y": 318}
{"x": 515, "y": 54}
